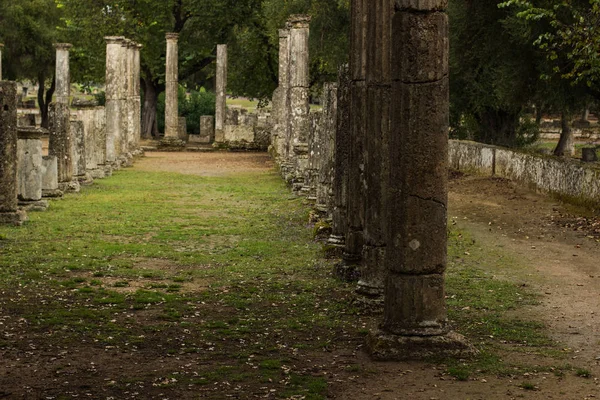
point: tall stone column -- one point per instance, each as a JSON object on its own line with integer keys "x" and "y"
{"x": 414, "y": 324}
{"x": 60, "y": 143}
{"x": 341, "y": 167}
{"x": 221, "y": 89}
{"x": 1, "y": 48}
{"x": 136, "y": 100}
{"x": 172, "y": 85}
{"x": 379, "y": 80}
{"x": 113, "y": 103}
{"x": 9, "y": 214}
{"x": 280, "y": 102}
{"x": 299, "y": 97}
{"x": 324, "y": 200}
{"x": 63, "y": 73}
{"x": 355, "y": 206}
{"x": 124, "y": 97}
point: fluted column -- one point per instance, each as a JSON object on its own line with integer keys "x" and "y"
{"x": 221, "y": 89}
{"x": 172, "y": 85}
{"x": 280, "y": 101}
{"x": 63, "y": 73}
{"x": 136, "y": 101}
{"x": 414, "y": 323}
{"x": 9, "y": 214}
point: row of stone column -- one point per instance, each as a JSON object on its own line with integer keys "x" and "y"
{"x": 377, "y": 165}
{"x": 81, "y": 147}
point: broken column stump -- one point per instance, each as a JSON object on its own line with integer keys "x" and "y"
{"x": 30, "y": 169}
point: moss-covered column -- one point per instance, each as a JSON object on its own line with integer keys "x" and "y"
{"x": 414, "y": 324}
{"x": 9, "y": 214}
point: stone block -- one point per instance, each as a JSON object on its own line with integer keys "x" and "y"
{"x": 182, "y": 132}
{"x": 207, "y": 129}
{"x": 29, "y": 169}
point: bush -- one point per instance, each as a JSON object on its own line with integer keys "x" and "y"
{"x": 192, "y": 107}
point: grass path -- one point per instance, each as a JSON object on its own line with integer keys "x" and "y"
{"x": 154, "y": 284}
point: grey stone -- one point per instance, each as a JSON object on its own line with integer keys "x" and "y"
{"x": 60, "y": 140}
{"x": 29, "y": 161}
{"x": 221, "y": 89}
{"x": 114, "y": 78}
{"x": 182, "y": 132}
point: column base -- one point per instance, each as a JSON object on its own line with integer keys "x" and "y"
{"x": 108, "y": 170}
{"x": 171, "y": 144}
{"x": 16, "y": 218}
{"x": 33, "y": 205}
{"x": 69, "y": 187}
{"x": 98, "y": 173}
{"x": 52, "y": 193}
{"x": 84, "y": 180}
{"x": 383, "y": 346}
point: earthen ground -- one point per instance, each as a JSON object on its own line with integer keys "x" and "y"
{"x": 560, "y": 254}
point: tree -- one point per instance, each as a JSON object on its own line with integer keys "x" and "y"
{"x": 28, "y": 30}
{"x": 568, "y": 36}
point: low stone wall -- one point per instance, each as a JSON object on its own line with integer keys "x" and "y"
{"x": 569, "y": 178}
{"x": 247, "y": 131}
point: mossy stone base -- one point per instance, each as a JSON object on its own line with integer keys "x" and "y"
{"x": 383, "y": 346}
{"x": 16, "y": 218}
{"x": 39, "y": 205}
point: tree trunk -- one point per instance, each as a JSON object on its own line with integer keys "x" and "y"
{"x": 565, "y": 145}
{"x": 498, "y": 127}
{"x": 149, "y": 125}
{"x": 44, "y": 99}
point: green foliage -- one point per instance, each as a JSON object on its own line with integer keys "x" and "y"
{"x": 192, "y": 106}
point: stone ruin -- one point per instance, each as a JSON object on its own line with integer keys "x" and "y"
{"x": 86, "y": 143}
{"x": 374, "y": 162}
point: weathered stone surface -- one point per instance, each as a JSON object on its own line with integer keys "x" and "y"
{"x": 8, "y": 147}
{"x": 358, "y": 40}
{"x": 207, "y": 129}
{"x": 421, "y": 5}
{"x": 221, "y": 89}
{"x": 328, "y": 122}
{"x": 136, "y": 101}
{"x": 63, "y": 74}
{"x": 50, "y": 176}
{"x": 421, "y": 47}
{"x": 342, "y": 151}
{"x": 280, "y": 132}
{"x": 78, "y": 150}
{"x": 183, "y": 135}
{"x": 1, "y": 48}
{"x": 60, "y": 140}
{"x": 172, "y": 86}
{"x": 113, "y": 98}
{"x": 29, "y": 164}
{"x": 94, "y": 126}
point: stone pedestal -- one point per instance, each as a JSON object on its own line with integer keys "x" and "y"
{"x": 172, "y": 86}
{"x": 50, "y": 177}
{"x": 9, "y": 213}
{"x": 30, "y": 169}
{"x": 182, "y": 132}
{"x": 414, "y": 323}
{"x": 207, "y": 129}
{"x": 221, "y": 89}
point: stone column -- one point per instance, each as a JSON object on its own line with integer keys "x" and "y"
{"x": 324, "y": 202}
{"x": 299, "y": 97}
{"x": 1, "y": 48}
{"x": 59, "y": 122}
{"x": 221, "y": 89}
{"x": 182, "y": 131}
{"x": 136, "y": 100}
{"x": 341, "y": 168}
{"x": 207, "y": 129}
{"x": 280, "y": 102}
{"x": 9, "y": 214}
{"x": 94, "y": 123}
{"x": 30, "y": 168}
{"x": 414, "y": 324}
{"x": 124, "y": 156}
{"x": 78, "y": 152}
{"x": 113, "y": 103}
{"x": 378, "y": 80}
{"x": 172, "y": 85}
{"x": 63, "y": 73}
{"x": 50, "y": 177}
{"x": 355, "y": 206}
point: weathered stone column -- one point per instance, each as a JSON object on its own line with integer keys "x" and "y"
{"x": 136, "y": 100}
{"x": 221, "y": 89}
{"x": 63, "y": 73}
{"x": 379, "y": 80}
{"x": 30, "y": 168}
{"x": 1, "y": 48}
{"x": 60, "y": 144}
{"x": 113, "y": 103}
{"x": 207, "y": 129}
{"x": 50, "y": 177}
{"x": 299, "y": 98}
{"x": 172, "y": 85}
{"x": 355, "y": 206}
{"x": 79, "y": 153}
{"x": 324, "y": 201}
{"x": 124, "y": 156}
{"x": 414, "y": 324}
{"x": 94, "y": 124}
{"x": 9, "y": 214}
{"x": 280, "y": 102}
{"x": 341, "y": 167}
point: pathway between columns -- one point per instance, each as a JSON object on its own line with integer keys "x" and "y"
{"x": 195, "y": 275}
